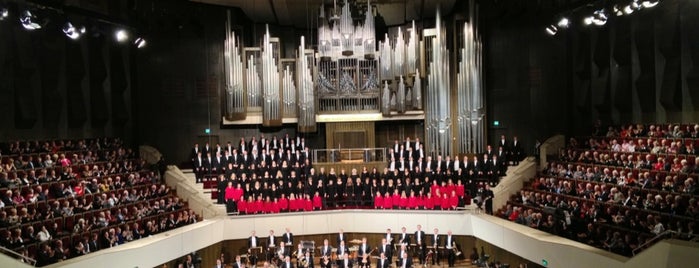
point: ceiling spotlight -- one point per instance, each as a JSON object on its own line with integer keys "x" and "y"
{"x": 617, "y": 10}
{"x": 588, "y": 20}
{"x": 4, "y": 13}
{"x": 73, "y": 32}
{"x": 28, "y": 21}
{"x": 552, "y": 29}
{"x": 140, "y": 42}
{"x": 599, "y": 18}
{"x": 628, "y": 9}
{"x": 650, "y": 3}
{"x": 121, "y": 35}
{"x": 563, "y": 23}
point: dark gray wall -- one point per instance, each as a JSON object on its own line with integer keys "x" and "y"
{"x": 637, "y": 68}
{"x": 53, "y": 87}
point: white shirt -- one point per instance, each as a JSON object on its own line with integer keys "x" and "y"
{"x": 254, "y": 242}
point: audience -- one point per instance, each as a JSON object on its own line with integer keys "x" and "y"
{"x": 617, "y": 191}
{"x": 62, "y": 199}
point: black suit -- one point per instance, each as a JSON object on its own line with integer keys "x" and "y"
{"x": 383, "y": 263}
{"x": 341, "y": 238}
{"x": 288, "y": 238}
{"x": 436, "y": 241}
{"x": 421, "y": 243}
{"x": 387, "y": 251}
{"x": 405, "y": 263}
{"x": 403, "y": 238}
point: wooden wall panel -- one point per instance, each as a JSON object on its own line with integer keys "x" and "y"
{"x": 332, "y": 128}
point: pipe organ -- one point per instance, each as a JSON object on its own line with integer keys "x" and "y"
{"x": 438, "y": 101}
{"x": 471, "y": 109}
{"x": 405, "y": 74}
{"x": 233, "y": 69}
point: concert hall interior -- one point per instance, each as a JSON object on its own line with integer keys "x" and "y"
{"x": 497, "y": 133}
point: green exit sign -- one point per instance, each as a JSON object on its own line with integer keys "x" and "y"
{"x": 496, "y": 123}
{"x": 207, "y": 131}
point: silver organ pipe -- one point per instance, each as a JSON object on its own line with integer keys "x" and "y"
{"x": 369, "y": 33}
{"x": 400, "y": 96}
{"x": 417, "y": 91}
{"x": 233, "y": 70}
{"x": 399, "y": 55}
{"x": 386, "y": 63}
{"x": 386, "y": 100}
{"x": 271, "y": 112}
{"x": 437, "y": 114}
{"x": 289, "y": 91}
{"x": 253, "y": 83}
{"x": 471, "y": 111}
{"x": 411, "y": 51}
{"x": 306, "y": 98}
{"x": 347, "y": 30}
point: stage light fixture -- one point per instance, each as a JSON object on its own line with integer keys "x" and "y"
{"x": 73, "y": 32}
{"x": 618, "y": 11}
{"x": 599, "y": 17}
{"x": 140, "y": 42}
{"x": 28, "y": 21}
{"x": 588, "y": 20}
{"x": 552, "y": 29}
{"x": 121, "y": 35}
{"x": 4, "y": 13}
{"x": 650, "y": 3}
{"x": 563, "y": 23}
{"x": 628, "y": 9}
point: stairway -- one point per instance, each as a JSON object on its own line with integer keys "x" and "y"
{"x": 205, "y": 192}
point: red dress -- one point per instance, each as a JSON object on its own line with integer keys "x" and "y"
{"x": 445, "y": 202}
{"x": 412, "y": 202}
{"x": 429, "y": 202}
{"x": 403, "y": 202}
{"x": 317, "y": 202}
{"x": 378, "y": 201}
{"x": 258, "y": 207}
{"x": 267, "y": 207}
{"x": 388, "y": 203}
{"x": 453, "y": 201}
{"x": 460, "y": 190}
{"x": 395, "y": 200}
{"x": 283, "y": 204}
{"x": 243, "y": 206}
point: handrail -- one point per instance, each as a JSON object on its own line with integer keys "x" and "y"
{"x": 652, "y": 240}
{"x": 363, "y": 154}
{"x": 26, "y": 259}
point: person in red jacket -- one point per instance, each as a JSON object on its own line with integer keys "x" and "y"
{"x": 230, "y": 192}
{"x": 429, "y": 201}
{"x": 276, "y": 207}
{"x": 293, "y": 204}
{"x": 307, "y": 203}
{"x": 420, "y": 201}
{"x": 283, "y": 203}
{"x": 267, "y": 205}
{"x": 317, "y": 201}
{"x": 403, "y": 200}
{"x": 238, "y": 192}
{"x": 445, "y": 201}
{"x": 378, "y": 200}
{"x": 395, "y": 199}
{"x": 460, "y": 191}
{"x": 259, "y": 205}
{"x": 453, "y": 200}
{"x": 437, "y": 200}
{"x": 412, "y": 201}
{"x": 387, "y": 201}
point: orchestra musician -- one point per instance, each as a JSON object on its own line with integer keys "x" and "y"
{"x": 326, "y": 250}
{"x": 253, "y": 243}
{"x": 345, "y": 261}
{"x": 341, "y": 251}
{"x": 405, "y": 262}
{"x": 271, "y": 245}
{"x": 436, "y": 241}
{"x": 383, "y": 261}
{"x": 362, "y": 253}
{"x": 309, "y": 260}
{"x": 404, "y": 238}
{"x": 286, "y": 263}
{"x": 402, "y": 253}
{"x": 421, "y": 244}
{"x": 238, "y": 263}
{"x": 300, "y": 255}
{"x": 288, "y": 237}
{"x": 386, "y": 249}
{"x": 449, "y": 244}
{"x": 341, "y": 237}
